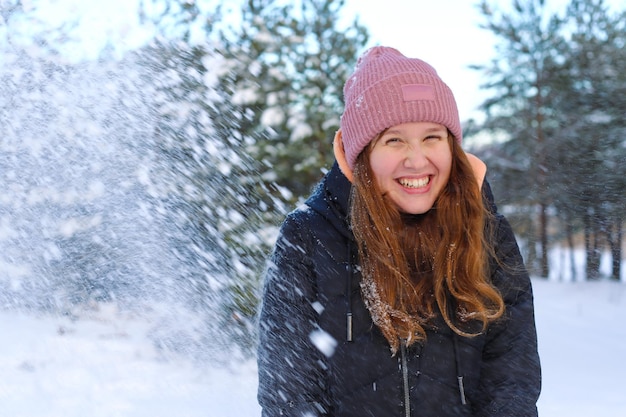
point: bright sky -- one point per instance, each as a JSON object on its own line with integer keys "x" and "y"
{"x": 444, "y": 33}
{"x": 99, "y": 22}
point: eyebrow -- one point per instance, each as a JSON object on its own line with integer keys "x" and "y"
{"x": 429, "y": 130}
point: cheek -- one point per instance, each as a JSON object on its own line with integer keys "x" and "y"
{"x": 444, "y": 163}
{"x": 446, "y": 167}
{"x": 382, "y": 172}
{"x": 380, "y": 165}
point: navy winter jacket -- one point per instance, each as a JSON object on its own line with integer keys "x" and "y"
{"x": 321, "y": 355}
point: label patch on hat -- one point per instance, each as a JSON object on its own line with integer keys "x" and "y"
{"x": 415, "y": 92}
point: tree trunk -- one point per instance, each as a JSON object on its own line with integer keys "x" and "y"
{"x": 592, "y": 267}
{"x": 570, "y": 241}
{"x": 615, "y": 241}
{"x": 531, "y": 253}
{"x": 542, "y": 175}
{"x": 543, "y": 222}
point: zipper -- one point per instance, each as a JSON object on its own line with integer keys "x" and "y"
{"x": 459, "y": 374}
{"x": 349, "y": 271}
{"x": 405, "y": 375}
{"x": 405, "y": 379}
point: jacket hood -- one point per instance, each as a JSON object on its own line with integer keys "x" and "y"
{"x": 331, "y": 199}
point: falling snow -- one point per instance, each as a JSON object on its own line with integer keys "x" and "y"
{"x": 77, "y": 139}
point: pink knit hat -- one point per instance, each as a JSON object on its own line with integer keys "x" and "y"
{"x": 388, "y": 89}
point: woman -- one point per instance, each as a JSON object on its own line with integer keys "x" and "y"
{"x": 397, "y": 289}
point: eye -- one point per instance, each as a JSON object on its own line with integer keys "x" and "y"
{"x": 391, "y": 140}
{"x": 388, "y": 140}
{"x": 435, "y": 137}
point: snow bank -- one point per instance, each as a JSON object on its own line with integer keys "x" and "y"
{"x": 104, "y": 364}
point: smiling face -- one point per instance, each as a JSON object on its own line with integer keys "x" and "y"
{"x": 412, "y": 163}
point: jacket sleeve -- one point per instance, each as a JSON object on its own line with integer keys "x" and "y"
{"x": 291, "y": 377}
{"x": 510, "y": 375}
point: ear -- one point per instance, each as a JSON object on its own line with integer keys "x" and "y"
{"x": 340, "y": 156}
{"x": 479, "y": 168}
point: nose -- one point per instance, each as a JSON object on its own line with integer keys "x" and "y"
{"x": 415, "y": 157}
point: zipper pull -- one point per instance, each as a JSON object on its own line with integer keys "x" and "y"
{"x": 405, "y": 378}
{"x": 461, "y": 390}
{"x": 349, "y": 327}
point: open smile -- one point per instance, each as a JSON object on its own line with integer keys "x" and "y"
{"x": 414, "y": 182}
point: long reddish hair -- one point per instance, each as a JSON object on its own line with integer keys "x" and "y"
{"x": 416, "y": 267}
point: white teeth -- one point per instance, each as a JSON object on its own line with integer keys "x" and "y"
{"x": 414, "y": 183}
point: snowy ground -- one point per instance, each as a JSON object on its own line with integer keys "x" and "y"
{"x": 105, "y": 366}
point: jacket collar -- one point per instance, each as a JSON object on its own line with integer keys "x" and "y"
{"x": 331, "y": 199}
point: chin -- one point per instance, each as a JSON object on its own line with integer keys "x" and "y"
{"x": 415, "y": 210}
